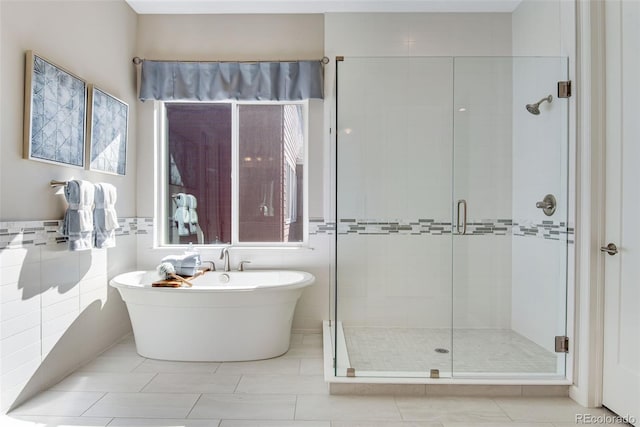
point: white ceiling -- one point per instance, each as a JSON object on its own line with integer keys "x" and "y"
{"x": 318, "y": 6}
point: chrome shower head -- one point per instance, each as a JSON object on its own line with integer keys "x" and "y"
{"x": 535, "y": 108}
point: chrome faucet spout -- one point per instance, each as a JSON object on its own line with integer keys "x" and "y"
{"x": 225, "y": 256}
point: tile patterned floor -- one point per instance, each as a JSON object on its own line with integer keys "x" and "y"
{"x": 473, "y": 351}
{"x": 120, "y": 388}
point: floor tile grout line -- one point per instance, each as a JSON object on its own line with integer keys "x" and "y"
{"x": 148, "y": 382}
{"x": 235, "y": 389}
{"x": 395, "y": 402}
{"x": 94, "y": 403}
{"x": 295, "y": 408}
{"x": 138, "y": 365}
{"x": 503, "y": 410}
{"x": 194, "y": 405}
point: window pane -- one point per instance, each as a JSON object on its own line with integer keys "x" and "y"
{"x": 199, "y": 157}
{"x": 271, "y": 155}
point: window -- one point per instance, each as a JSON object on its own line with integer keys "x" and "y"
{"x": 234, "y": 173}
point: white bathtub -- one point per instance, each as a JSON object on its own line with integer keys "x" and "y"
{"x": 247, "y": 317}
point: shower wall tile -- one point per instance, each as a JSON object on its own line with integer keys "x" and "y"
{"x": 482, "y": 282}
{"x": 389, "y": 168}
{"x": 482, "y": 137}
{"x": 405, "y": 281}
{"x": 401, "y": 272}
{"x": 411, "y": 34}
{"x": 352, "y": 262}
{"x": 538, "y": 290}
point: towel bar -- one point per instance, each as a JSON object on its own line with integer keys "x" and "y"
{"x": 55, "y": 183}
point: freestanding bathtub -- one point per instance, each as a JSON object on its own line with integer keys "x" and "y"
{"x": 233, "y": 316}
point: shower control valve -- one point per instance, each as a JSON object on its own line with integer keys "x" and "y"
{"x": 548, "y": 205}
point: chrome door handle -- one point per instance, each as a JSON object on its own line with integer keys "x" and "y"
{"x": 461, "y": 202}
{"x": 611, "y": 249}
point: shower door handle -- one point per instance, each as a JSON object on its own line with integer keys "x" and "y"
{"x": 461, "y": 202}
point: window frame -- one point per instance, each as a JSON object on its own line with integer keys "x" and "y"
{"x": 161, "y": 176}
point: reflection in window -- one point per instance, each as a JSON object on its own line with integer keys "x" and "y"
{"x": 270, "y": 169}
{"x": 271, "y": 147}
{"x": 199, "y": 145}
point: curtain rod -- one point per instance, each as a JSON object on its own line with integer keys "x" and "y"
{"x": 325, "y": 60}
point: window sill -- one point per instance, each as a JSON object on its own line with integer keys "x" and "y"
{"x": 234, "y": 247}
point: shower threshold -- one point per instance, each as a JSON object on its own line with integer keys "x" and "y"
{"x": 407, "y": 381}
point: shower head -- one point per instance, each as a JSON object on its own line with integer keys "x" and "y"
{"x": 535, "y": 108}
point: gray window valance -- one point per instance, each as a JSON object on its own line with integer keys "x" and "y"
{"x": 215, "y": 81}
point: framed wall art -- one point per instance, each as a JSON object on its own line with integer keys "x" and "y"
{"x": 55, "y": 113}
{"x": 107, "y": 129}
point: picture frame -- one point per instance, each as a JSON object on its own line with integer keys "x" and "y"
{"x": 54, "y": 113}
{"x": 107, "y": 129}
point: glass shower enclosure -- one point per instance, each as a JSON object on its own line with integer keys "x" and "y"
{"x": 451, "y": 217}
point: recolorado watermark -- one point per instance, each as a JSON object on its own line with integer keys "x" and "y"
{"x": 604, "y": 419}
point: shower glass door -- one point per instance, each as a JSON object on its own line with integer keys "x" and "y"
{"x": 393, "y": 214}
{"x": 509, "y": 256}
{"x": 446, "y": 264}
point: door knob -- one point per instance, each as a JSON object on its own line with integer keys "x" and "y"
{"x": 611, "y": 249}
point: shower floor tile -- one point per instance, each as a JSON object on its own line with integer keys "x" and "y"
{"x": 469, "y": 351}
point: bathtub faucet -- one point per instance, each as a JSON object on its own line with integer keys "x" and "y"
{"x": 225, "y": 256}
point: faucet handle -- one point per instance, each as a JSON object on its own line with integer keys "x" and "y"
{"x": 222, "y": 252}
{"x": 241, "y": 265}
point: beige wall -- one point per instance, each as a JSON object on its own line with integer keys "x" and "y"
{"x": 94, "y": 40}
{"x": 57, "y": 309}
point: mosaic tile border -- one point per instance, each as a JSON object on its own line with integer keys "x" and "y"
{"x": 318, "y": 226}
{"x": 23, "y": 234}
{"x": 550, "y": 230}
{"x": 20, "y": 234}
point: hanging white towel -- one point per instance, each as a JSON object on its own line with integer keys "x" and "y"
{"x": 192, "y": 203}
{"x": 105, "y": 218}
{"x": 78, "y": 219}
{"x": 182, "y": 217}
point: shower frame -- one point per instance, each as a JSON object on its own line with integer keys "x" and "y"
{"x": 337, "y": 334}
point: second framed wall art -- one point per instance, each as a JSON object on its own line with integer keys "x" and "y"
{"x": 107, "y": 130}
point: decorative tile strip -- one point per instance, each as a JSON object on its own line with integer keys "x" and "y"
{"x": 318, "y": 227}
{"x": 549, "y": 230}
{"x": 144, "y": 226}
{"x": 396, "y": 226}
{"x": 23, "y": 234}
{"x": 20, "y": 234}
